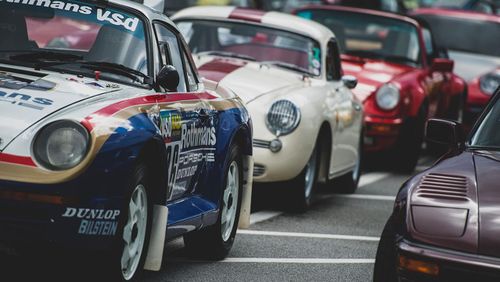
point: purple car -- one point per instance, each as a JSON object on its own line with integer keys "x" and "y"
{"x": 446, "y": 220}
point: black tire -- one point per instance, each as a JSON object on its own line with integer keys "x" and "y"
{"x": 208, "y": 243}
{"x": 409, "y": 145}
{"x": 303, "y": 186}
{"x": 348, "y": 183}
{"x": 385, "y": 262}
{"x": 113, "y": 263}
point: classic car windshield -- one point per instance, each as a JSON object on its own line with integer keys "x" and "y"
{"x": 443, "y": 3}
{"x": 488, "y": 133}
{"x": 370, "y": 36}
{"x": 475, "y": 36}
{"x": 56, "y": 33}
{"x": 255, "y": 43}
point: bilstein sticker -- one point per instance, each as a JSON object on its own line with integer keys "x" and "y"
{"x": 94, "y": 221}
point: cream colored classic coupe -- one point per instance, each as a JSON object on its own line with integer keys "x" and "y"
{"x": 307, "y": 123}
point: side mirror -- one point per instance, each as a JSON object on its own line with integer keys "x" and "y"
{"x": 442, "y": 65}
{"x": 445, "y": 132}
{"x": 168, "y": 78}
{"x": 350, "y": 81}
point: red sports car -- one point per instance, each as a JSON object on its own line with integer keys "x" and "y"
{"x": 403, "y": 78}
{"x": 474, "y": 50}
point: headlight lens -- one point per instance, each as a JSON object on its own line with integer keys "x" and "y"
{"x": 489, "y": 83}
{"x": 61, "y": 145}
{"x": 388, "y": 97}
{"x": 283, "y": 117}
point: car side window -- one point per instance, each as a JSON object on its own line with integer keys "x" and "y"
{"x": 171, "y": 53}
{"x": 333, "y": 66}
{"x": 191, "y": 74}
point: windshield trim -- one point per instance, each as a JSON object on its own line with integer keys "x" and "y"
{"x": 480, "y": 120}
{"x": 268, "y": 26}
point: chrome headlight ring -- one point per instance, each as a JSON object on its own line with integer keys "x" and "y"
{"x": 61, "y": 145}
{"x": 490, "y": 82}
{"x": 388, "y": 97}
{"x": 283, "y": 117}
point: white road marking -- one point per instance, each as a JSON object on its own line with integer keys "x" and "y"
{"x": 365, "y": 179}
{"x": 309, "y": 235}
{"x": 261, "y": 216}
{"x": 365, "y": 197}
{"x": 372, "y": 177}
{"x": 285, "y": 260}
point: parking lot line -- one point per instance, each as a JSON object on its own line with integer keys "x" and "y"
{"x": 308, "y": 235}
{"x": 260, "y": 216}
{"x": 364, "y": 197}
{"x": 371, "y": 177}
{"x": 285, "y": 260}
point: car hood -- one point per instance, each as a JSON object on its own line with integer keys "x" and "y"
{"x": 470, "y": 66}
{"x": 487, "y": 171}
{"x": 455, "y": 204}
{"x": 371, "y": 74}
{"x": 26, "y": 99}
{"x": 249, "y": 80}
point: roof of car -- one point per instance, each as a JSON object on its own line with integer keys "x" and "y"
{"x": 275, "y": 19}
{"x": 456, "y": 13}
{"x": 147, "y": 11}
{"x": 360, "y": 11}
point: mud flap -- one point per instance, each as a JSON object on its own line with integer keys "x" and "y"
{"x": 157, "y": 238}
{"x": 246, "y": 200}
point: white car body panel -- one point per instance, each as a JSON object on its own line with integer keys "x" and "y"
{"x": 321, "y": 102}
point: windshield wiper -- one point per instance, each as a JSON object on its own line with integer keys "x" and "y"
{"x": 365, "y": 54}
{"x": 285, "y": 66}
{"x": 118, "y": 69}
{"x": 228, "y": 54}
{"x": 44, "y": 56}
{"x": 375, "y": 55}
{"x": 101, "y": 66}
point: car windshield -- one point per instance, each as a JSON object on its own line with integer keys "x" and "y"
{"x": 488, "y": 133}
{"x": 370, "y": 36}
{"x": 443, "y": 3}
{"x": 172, "y": 6}
{"x": 63, "y": 35}
{"x": 255, "y": 43}
{"x": 475, "y": 36}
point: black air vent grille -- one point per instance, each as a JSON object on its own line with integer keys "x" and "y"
{"x": 443, "y": 186}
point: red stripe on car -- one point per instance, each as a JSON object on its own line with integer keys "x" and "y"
{"x": 146, "y": 100}
{"x": 217, "y": 69}
{"x": 247, "y": 15}
{"x": 8, "y": 158}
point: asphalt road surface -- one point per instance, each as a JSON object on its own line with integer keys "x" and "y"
{"x": 336, "y": 240}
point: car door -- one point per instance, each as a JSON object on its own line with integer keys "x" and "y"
{"x": 185, "y": 124}
{"x": 347, "y": 113}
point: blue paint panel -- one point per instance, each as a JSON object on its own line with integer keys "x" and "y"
{"x": 105, "y": 184}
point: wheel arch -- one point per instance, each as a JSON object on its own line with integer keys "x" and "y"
{"x": 243, "y": 138}
{"x": 325, "y": 137}
{"x": 153, "y": 155}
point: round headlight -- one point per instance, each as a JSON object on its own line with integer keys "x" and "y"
{"x": 489, "y": 83}
{"x": 283, "y": 117}
{"x": 61, "y": 145}
{"x": 387, "y": 97}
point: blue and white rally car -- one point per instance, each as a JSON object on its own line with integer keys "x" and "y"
{"x": 105, "y": 128}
